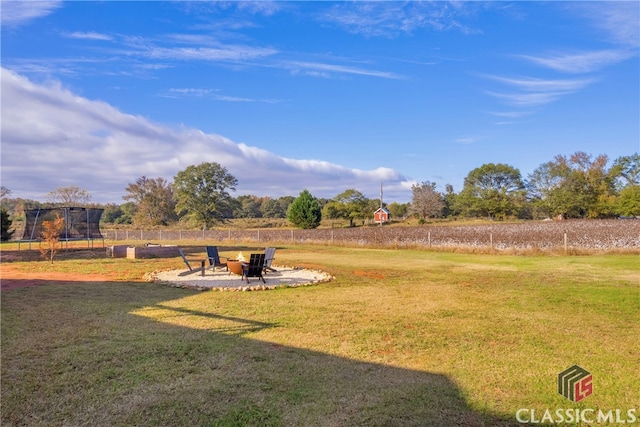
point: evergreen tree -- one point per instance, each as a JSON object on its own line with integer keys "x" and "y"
{"x": 305, "y": 211}
{"x": 7, "y": 233}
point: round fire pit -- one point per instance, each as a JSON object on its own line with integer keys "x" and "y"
{"x": 235, "y": 266}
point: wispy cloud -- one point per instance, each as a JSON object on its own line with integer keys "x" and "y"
{"x": 510, "y": 114}
{"x": 510, "y": 117}
{"x": 91, "y": 35}
{"x": 618, "y": 20}
{"x": 467, "y": 140}
{"x": 16, "y": 13}
{"x": 389, "y": 19}
{"x": 544, "y": 85}
{"x": 103, "y": 149}
{"x": 318, "y": 69}
{"x": 225, "y": 53}
{"x": 527, "y": 99}
{"x": 580, "y": 62}
{"x": 535, "y": 92}
{"x": 211, "y": 93}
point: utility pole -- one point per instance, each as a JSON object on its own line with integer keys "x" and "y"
{"x": 381, "y": 203}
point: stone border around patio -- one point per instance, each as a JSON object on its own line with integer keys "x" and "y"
{"x": 153, "y": 277}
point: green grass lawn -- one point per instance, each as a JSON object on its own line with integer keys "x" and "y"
{"x": 399, "y": 338}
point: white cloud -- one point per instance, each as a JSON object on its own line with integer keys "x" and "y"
{"x": 544, "y": 85}
{"x": 211, "y": 93}
{"x": 389, "y": 19}
{"x": 535, "y": 92}
{"x": 52, "y": 137}
{"x": 15, "y": 13}
{"x": 618, "y": 20}
{"x": 510, "y": 114}
{"x": 226, "y": 53}
{"x": 581, "y": 62}
{"x": 91, "y": 35}
{"x": 317, "y": 69}
{"x": 528, "y": 99}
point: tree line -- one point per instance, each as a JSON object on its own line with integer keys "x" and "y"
{"x": 575, "y": 186}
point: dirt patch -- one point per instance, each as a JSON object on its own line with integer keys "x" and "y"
{"x": 13, "y": 278}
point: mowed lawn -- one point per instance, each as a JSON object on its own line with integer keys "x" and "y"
{"x": 398, "y": 338}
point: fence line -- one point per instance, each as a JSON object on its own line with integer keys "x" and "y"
{"x": 595, "y": 234}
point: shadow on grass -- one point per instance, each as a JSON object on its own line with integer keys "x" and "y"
{"x": 119, "y": 354}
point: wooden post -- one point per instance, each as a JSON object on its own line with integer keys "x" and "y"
{"x": 565, "y": 243}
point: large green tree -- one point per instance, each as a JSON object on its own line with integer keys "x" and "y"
{"x": 202, "y": 193}
{"x": 154, "y": 201}
{"x": 350, "y": 205}
{"x": 305, "y": 211}
{"x": 491, "y": 190}
{"x": 576, "y": 186}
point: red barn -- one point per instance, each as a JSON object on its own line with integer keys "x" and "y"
{"x": 381, "y": 215}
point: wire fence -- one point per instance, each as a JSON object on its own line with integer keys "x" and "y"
{"x": 579, "y": 234}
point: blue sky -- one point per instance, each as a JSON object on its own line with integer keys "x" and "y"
{"x": 323, "y": 96}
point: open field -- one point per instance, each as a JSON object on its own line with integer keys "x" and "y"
{"x": 398, "y": 338}
{"x": 573, "y": 236}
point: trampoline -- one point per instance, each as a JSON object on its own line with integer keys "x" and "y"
{"x": 79, "y": 224}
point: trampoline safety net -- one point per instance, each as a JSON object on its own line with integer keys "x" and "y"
{"x": 79, "y": 223}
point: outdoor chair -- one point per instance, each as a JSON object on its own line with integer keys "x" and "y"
{"x": 191, "y": 269}
{"x": 254, "y": 267}
{"x": 269, "y": 255}
{"x": 215, "y": 258}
